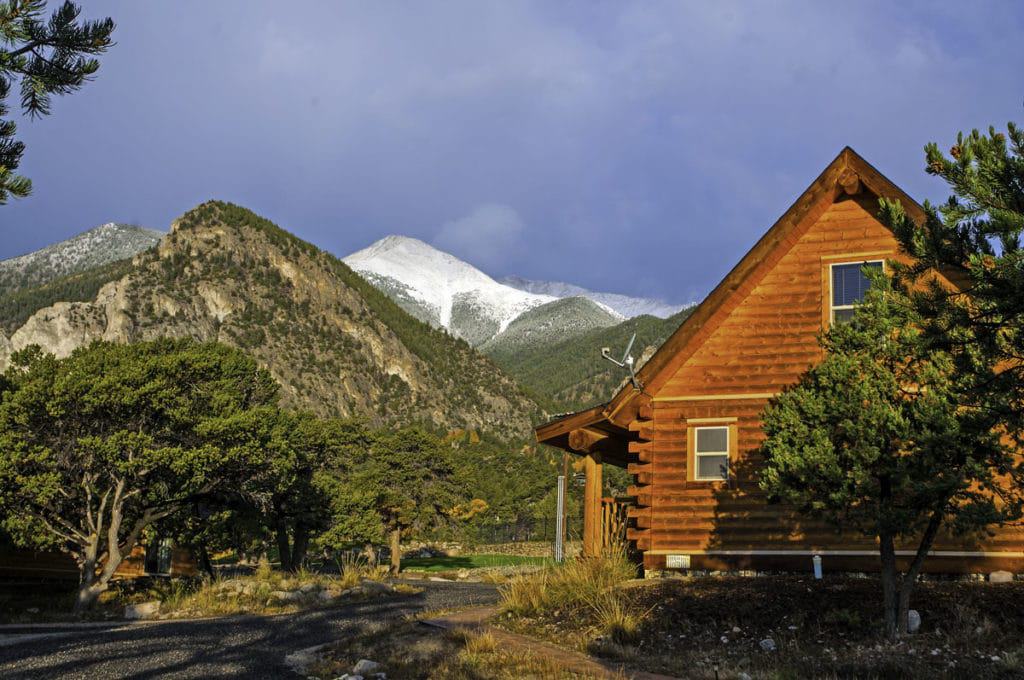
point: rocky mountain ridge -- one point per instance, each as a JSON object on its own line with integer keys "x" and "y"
{"x": 336, "y": 344}
{"x": 93, "y": 248}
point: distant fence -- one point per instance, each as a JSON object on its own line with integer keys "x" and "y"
{"x": 526, "y": 529}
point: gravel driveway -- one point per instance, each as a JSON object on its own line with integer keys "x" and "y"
{"x": 233, "y": 647}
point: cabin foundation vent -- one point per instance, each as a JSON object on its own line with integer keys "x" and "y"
{"x": 677, "y": 561}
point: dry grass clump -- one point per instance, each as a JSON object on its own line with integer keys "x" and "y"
{"x": 582, "y": 589}
{"x": 412, "y": 651}
{"x": 615, "y": 618}
{"x": 259, "y": 593}
{"x": 354, "y": 570}
{"x": 574, "y": 584}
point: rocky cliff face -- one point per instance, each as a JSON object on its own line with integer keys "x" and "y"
{"x": 336, "y": 344}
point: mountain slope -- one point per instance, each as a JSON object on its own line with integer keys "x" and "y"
{"x": 337, "y": 344}
{"x": 548, "y": 324}
{"x": 441, "y": 289}
{"x": 571, "y": 375}
{"x": 94, "y": 248}
{"x": 18, "y": 305}
{"x": 625, "y": 305}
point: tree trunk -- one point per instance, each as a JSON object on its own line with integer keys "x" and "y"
{"x": 87, "y": 595}
{"x": 204, "y": 560}
{"x": 890, "y": 584}
{"x": 284, "y": 547}
{"x": 396, "y": 551}
{"x": 300, "y": 546}
{"x": 909, "y": 580}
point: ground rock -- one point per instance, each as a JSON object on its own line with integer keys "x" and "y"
{"x": 913, "y": 621}
{"x": 768, "y": 645}
{"x": 286, "y": 595}
{"x": 309, "y": 587}
{"x": 1000, "y": 577}
{"x": 376, "y": 587}
{"x": 145, "y": 610}
{"x": 366, "y": 667}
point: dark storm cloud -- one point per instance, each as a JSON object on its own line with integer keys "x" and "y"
{"x": 639, "y": 148}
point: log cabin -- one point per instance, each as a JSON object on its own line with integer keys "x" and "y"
{"x": 158, "y": 558}
{"x": 689, "y": 433}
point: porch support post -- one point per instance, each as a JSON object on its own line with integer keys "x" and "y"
{"x": 592, "y": 505}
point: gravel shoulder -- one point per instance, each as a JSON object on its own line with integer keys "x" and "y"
{"x": 230, "y": 647}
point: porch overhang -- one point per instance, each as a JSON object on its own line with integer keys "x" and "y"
{"x": 587, "y": 433}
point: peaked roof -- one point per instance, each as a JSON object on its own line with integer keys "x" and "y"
{"x": 841, "y": 175}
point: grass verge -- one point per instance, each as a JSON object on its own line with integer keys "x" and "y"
{"x": 455, "y": 563}
{"x": 412, "y": 651}
{"x": 715, "y": 627}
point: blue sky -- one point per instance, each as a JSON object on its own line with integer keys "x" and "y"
{"x": 633, "y": 147}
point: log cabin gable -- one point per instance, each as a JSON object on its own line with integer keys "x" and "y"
{"x": 834, "y": 218}
{"x": 765, "y": 336}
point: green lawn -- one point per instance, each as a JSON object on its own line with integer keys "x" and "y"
{"x": 435, "y": 564}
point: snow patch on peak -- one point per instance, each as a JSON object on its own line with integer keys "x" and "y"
{"x": 624, "y": 305}
{"x": 440, "y": 281}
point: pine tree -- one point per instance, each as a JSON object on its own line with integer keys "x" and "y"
{"x": 974, "y": 239}
{"x": 48, "y": 57}
{"x": 876, "y": 439}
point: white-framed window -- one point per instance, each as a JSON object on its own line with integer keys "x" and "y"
{"x": 847, "y": 286}
{"x": 711, "y": 453}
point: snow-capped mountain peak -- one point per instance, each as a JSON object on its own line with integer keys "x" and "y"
{"x": 442, "y": 289}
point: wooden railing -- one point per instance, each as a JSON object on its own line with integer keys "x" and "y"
{"x": 613, "y": 522}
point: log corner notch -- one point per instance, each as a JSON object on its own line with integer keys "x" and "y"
{"x": 587, "y": 441}
{"x": 638, "y": 529}
{"x": 849, "y": 180}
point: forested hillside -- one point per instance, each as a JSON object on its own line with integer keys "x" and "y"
{"x": 571, "y": 375}
{"x": 17, "y": 305}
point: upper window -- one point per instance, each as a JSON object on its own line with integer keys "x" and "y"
{"x": 711, "y": 453}
{"x": 849, "y": 284}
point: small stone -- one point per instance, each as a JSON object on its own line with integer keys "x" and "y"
{"x": 146, "y": 610}
{"x": 366, "y": 667}
{"x": 309, "y": 587}
{"x": 1000, "y": 577}
{"x": 767, "y": 645}
{"x": 725, "y": 640}
{"x": 743, "y": 676}
{"x": 376, "y": 587}
{"x": 913, "y": 621}
{"x": 736, "y": 629}
{"x": 994, "y": 658}
{"x": 33, "y": 610}
{"x": 286, "y": 595}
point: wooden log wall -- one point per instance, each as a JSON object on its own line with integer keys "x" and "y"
{"x": 762, "y": 341}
